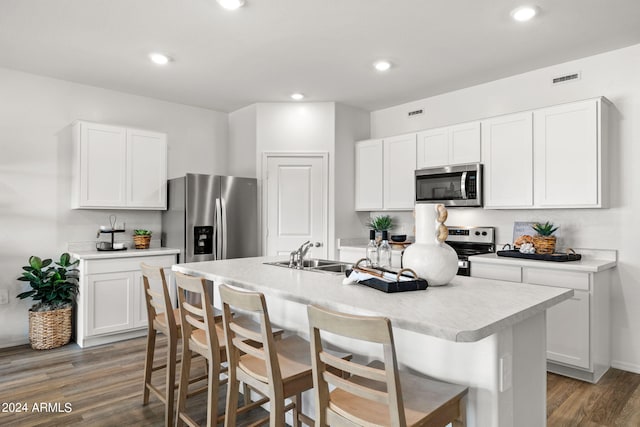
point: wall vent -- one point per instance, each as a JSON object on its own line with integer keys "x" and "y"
{"x": 415, "y": 113}
{"x": 566, "y": 78}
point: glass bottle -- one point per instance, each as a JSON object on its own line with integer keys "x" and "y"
{"x": 372, "y": 250}
{"x": 384, "y": 251}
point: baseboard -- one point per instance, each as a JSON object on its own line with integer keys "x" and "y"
{"x": 14, "y": 343}
{"x": 631, "y": 367}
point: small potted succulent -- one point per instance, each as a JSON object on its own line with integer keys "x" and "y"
{"x": 544, "y": 241}
{"x": 54, "y": 287}
{"x": 141, "y": 238}
{"x": 379, "y": 224}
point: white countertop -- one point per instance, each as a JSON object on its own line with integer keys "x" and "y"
{"x": 466, "y": 310}
{"x": 591, "y": 262}
{"x": 94, "y": 254}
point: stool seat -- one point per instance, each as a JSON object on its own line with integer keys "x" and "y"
{"x": 422, "y": 398}
{"x": 161, "y": 319}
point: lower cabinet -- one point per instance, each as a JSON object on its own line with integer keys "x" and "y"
{"x": 111, "y": 303}
{"x": 578, "y": 328}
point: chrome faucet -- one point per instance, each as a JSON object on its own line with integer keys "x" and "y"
{"x": 296, "y": 258}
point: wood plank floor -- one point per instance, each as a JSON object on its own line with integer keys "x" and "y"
{"x": 103, "y": 386}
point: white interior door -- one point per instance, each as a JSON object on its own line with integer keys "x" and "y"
{"x": 295, "y": 201}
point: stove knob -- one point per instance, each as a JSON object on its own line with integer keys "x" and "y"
{"x": 477, "y": 233}
{"x": 484, "y": 233}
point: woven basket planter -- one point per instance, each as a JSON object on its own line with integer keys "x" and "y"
{"x": 141, "y": 241}
{"x": 49, "y": 329}
{"x": 544, "y": 244}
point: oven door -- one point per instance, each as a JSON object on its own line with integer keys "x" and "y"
{"x": 452, "y": 186}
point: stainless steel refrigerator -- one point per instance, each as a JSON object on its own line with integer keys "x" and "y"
{"x": 211, "y": 217}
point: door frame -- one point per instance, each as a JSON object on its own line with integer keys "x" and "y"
{"x": 266, "y": 155}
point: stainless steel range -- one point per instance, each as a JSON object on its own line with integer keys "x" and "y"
{"x": 467, "y": 241}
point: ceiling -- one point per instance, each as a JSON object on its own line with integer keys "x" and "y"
{"x": 269, "y": 49}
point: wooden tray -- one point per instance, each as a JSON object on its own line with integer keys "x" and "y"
{"x": 558, "y": 257}
{"x": 389, "y": 286}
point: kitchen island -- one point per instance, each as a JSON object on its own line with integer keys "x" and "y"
{"x": 487, "y": 334}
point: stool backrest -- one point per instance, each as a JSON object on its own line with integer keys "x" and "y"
{"x": 239, "y": 338}
{"x": 157, "y": 302}
{"x": 378, "y": 385}
{"x": 197, "y": 318}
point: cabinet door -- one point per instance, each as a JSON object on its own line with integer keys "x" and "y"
{"x": 568, "y": 331}
{"x": 464, "y": 143}
{"x": 369, "y": 175}
{"x": 507, "y": 152}
{"x": 567, "y": 155}
{"x": 110, "y": 302}
{"x": 399, "y": 172}
{"x": 102, "y": 165}
{"x": 146, "y": 169}
{"x": 433, "y": 148}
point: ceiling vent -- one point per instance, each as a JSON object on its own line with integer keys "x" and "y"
{"x": 566, "y": 78}
{"x": 415, "y": 113}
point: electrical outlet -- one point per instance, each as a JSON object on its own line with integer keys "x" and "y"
{"x": 4, "y": 296}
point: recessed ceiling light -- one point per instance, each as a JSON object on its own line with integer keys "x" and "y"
{"x": 159, "y": 58}
{"x": 382, "y": 65}
{"x": 524, "y": 13}
{"x": 231, "y": 4}
{"x": 297, "y": 96}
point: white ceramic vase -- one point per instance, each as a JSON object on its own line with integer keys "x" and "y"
{"x": 429, "y": 257}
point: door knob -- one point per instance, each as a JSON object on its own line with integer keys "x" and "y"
{"x": 318, "y": 244}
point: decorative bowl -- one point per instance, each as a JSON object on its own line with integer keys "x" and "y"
{"x": 398, "y": 238}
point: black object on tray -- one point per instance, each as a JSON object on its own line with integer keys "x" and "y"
{"x": 558, "y": 257}
{"x": 416, "y": 284}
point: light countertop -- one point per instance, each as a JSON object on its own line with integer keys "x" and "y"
{"x": 592, "y": 261}
{"x": 466, "y": 310}
{"x": 94, "y": 254}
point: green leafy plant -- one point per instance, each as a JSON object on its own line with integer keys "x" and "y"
{"x": 546, "y": 229}
{"x": 142, "y": 232}
{"x": 54, "y": 284}
{"x": 381, "y": 223}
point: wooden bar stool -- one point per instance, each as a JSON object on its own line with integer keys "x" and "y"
{"x": 376, "y": 394}
{"x": 278, "y": 369}
{"x": 162, "y": 317}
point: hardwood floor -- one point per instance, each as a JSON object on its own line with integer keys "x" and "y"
{"x": 102, "y": 386}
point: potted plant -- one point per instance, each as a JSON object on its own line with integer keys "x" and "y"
{"x": 141, "y": 238}
{"x": 544, "y": 242}
{"x": 54, "y": 288}
{"x": 379, "y": 224}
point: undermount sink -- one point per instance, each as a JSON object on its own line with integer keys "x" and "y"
{"x": 315, "y": 264}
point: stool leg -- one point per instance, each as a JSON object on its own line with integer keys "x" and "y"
{"x": 276, "y": 402}
{"x": 171, "y": 379}
{"x": 213, "y": 380}
{"x": 148, "y": 363}
{"x": 461, "y": 421}
{"x": 233, "y": 386}
{"x": 184, "y": 383}
{"x": 297, "y": 409}
{"x": 246, "y": 393}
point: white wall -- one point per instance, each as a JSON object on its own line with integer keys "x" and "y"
{"x": 242, "y": 142}
{"x": 35, "y": 219}
{"x": 614, "y": 74}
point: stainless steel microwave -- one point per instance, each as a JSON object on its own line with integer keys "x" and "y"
{"x": 459, "y": 185}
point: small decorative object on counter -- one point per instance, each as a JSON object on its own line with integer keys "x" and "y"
{"x": 372, "y": 250}
{"x": 380, "y": 224}
{"x": 544, "y": 242}
{"x": 429, "y": 257}
{"x": 527, "y": 248}
{"x": 54, "y": 287}
{"x": 384, "y": 251}
{"x": 141, "y": 238}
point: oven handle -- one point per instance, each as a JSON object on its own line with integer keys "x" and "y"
{"x": 463, "y": 185}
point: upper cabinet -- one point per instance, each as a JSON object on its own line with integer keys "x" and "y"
{"x": 118, "y": 168}
{"x": 553, "y": 157}
{"x": 507, "y": 150}
{"x": 385, "y": 173}
{"x": 451, "y": 145}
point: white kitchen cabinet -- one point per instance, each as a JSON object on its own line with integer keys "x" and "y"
{"x": 399, "y": 172}
{"x": 111, "y": 304}
{"x": 507, "y": 150}
{"x": 578, "y": 328}
{"x": 118, "y": 168}
{"x": 451, "y": 145}
{"x": 385, "y": 173}
{"x": 369, "y": 175}
{"x": 569, "y": 154}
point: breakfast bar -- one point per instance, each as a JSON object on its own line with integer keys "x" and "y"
{"x": 489, "y": 335}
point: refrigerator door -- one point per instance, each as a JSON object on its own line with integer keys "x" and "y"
{"x": 200, "y": 228}
{"x": 239, "y": 218}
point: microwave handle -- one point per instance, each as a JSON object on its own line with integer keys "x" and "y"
{"x": 463, "y": 185}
